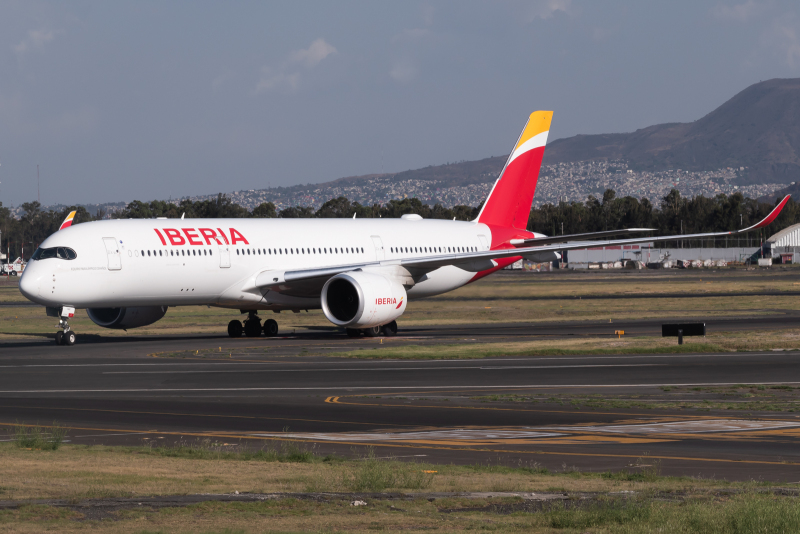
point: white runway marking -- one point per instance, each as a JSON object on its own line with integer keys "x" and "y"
{"x": 681, "y": 427}
{"x": 449, "y": 368}
{"x": 393, "y": 388}
{"x": 395, "y": 361}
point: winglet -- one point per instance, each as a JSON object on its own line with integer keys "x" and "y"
{"x": 772, "y": 215}
{"x": 68, "y": 221}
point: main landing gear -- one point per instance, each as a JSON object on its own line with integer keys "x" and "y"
{"x": 252, "y": 327}
{"x": 387, "y": 330}
{"x": 65, "y": 336}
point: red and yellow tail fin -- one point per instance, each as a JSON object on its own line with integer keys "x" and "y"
{"x": 509, "y": 202}
{"x": 68, "y": 221}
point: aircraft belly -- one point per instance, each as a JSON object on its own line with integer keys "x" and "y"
{"x": 440, "y": 281}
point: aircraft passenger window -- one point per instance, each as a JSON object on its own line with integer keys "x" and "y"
{"x": 237, "y": 251}
{"x": 159, "y": 253}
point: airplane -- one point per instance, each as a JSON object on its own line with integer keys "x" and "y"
{"x": 360, "y": 272}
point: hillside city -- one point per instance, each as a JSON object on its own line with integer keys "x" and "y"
{"x": 570, "y": 182}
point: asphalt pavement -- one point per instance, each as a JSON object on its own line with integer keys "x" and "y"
{"x": 137, "y": 390}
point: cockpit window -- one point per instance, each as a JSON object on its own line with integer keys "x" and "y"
{"x": 62, "y": 253}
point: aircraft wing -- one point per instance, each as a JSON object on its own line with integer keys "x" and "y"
{"x": 309, "y": 282}
{"x": 572, "y": 237}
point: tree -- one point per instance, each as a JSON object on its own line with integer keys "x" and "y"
{"x": 265, "y": 210}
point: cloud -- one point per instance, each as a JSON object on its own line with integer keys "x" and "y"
{"x": 36, "y": 39}
{"x": 288, "y": 76}
{"x": 544, "y": 9}
{"x": 311, "y": 56}
{"x": 739, "y": 12}
{"x": 785, "y": 38}
{"x": 271, "y": 80}
{"x": 403, "y": 71}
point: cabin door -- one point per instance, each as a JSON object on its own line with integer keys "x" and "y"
{"x": 379, "y": 252}
{"x": 112, "y": 251}
{"x": 224, "y": 257}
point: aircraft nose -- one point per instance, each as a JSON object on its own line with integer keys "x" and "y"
{"x": 29, "y": 283}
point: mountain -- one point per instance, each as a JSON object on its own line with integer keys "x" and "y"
{"x": 758, "y": 129}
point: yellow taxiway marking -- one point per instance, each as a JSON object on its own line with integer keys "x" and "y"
{"x": 428, "y": 447}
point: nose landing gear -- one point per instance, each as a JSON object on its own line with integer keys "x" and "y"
{"x": 65, "y": 336}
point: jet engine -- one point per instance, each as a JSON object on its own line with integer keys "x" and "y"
{"x": 124, "y": 318}
{"x": 361, "y": 300}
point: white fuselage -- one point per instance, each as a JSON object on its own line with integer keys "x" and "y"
{"x": 175, "y": 262}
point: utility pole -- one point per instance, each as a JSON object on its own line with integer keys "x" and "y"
{"x": 38, "y": 196}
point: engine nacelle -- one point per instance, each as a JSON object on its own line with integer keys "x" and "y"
{"x": 361, "y": 300}
{"x": 124, "y": 318}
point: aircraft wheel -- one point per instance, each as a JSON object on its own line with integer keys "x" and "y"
{"x": 372, "y": 332}
{"x": 59, "y": 338}
{"x": 390, "y": 329}
{"x": 353, "y": 332}
{"x": 13, "y": 273}
{"x": 235, "y": 328}
{"x": 252, "y": 327}
{"x": 270, "y": 328}
{"x": 69, "y": 338}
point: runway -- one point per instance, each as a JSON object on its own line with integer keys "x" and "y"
{"x": 135, "y": 390}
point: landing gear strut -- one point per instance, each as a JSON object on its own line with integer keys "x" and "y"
{"x": 252, "y": 327}
{"x": 65, "y": 336}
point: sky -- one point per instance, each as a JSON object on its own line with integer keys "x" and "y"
{"x": 116, "y": 101}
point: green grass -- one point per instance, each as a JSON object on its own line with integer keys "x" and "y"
{"x": 37, "y": 438}
{"x": 374, "y": 475}
{"x": 207, "y": 449}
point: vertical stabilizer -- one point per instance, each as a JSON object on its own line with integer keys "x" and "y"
{"x": 509, "y": 202}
